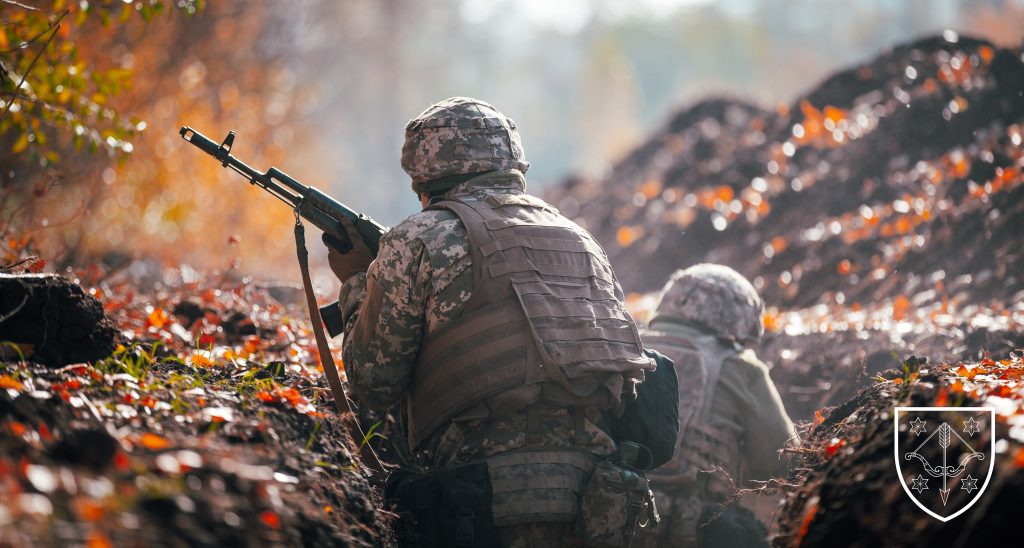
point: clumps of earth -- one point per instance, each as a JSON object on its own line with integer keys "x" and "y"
{"x": 201, "y": 420}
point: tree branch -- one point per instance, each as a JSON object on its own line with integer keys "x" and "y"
{"x": 25, "y": 43}
{"x": 20, "y": 5}
{"x": 55, "y": 27}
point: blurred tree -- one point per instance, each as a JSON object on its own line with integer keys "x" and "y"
{"x": 225, "y": 68}
{"x": 53, "y": 100}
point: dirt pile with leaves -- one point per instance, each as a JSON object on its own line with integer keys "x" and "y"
{"x": 210, "y": 426}
{"x": 846, "y": 491}
{"x": 880, "y": 216}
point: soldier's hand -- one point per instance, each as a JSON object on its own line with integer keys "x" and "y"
{"x": 346, "y": 264}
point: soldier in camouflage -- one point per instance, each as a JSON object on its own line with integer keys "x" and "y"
{"x": 474, "y": 315}
{"x": 732, "y": 422}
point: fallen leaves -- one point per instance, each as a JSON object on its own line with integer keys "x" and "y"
{"x": 805, "y": 524}
{"x": 270, "y": 519}
{"x": 157, "y": 318}
{"x": 627, "y": 235}
{"x": 154, "y": 442}
{"x": 900, "y": 306}
{"x": 10, "y": 383}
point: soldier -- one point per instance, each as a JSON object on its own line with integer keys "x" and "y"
{"x": 732, "y": 423}
{"x": 499, "y": 325}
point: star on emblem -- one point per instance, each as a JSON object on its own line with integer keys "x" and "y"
{"x": 971, "y": 426}
{"x": 969, "y": 483}
{"x": 920, "y": 483}
{"x": 917, "y": 426}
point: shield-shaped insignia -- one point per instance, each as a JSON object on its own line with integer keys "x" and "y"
{"x": 944, "y": 456}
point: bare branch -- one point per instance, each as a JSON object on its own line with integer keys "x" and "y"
{"x": 55, "y": 26}
{"x": 20, "y": 5}
{"x": 25, "y": 44}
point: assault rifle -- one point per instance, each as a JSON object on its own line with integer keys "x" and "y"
{"x": 315, "y": 206}
{"x": 326, "y": 213}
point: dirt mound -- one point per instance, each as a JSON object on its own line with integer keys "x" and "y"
{"x": 878, "y": 171}
{"x": 879, "y": 215}
{"x": 848, "y": 492}
{"x": 211, "y": 426}
{"x": 52, "y": 320}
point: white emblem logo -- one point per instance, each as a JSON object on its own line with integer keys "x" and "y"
{"x": 942, "y": 453}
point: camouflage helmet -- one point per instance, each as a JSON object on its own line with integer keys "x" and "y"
{"x": 714, "y": 297}
{"x": 457, "y": 136}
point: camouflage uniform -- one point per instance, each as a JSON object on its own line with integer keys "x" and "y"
{"x": 419, "y": 282}
{"x": 718, "y": 312}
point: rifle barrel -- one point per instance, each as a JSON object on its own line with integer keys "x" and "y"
{"x": 223, "y": 154}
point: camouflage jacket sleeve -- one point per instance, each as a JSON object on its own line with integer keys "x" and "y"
{"x": 383, "y": 312}
{"x": 766, "y": 426}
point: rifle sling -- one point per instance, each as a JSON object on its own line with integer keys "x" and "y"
{"x": 348, "y": 417}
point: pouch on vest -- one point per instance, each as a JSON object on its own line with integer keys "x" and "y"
{"x": 616, "y": 500}
{"x": 443, "y": 508}
{"x": 652, "y": 419}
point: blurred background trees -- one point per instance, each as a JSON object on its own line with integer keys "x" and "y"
{"x": 322, "y": 90}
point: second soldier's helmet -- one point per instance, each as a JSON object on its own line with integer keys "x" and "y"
{"x": 716, "y": 298}
{"x": 457, "y": 136}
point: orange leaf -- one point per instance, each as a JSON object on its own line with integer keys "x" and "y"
{"x": 35, "y": 265}
{"x": 899, "y": 308}
{"x": 121, "y": 461}
{"x": 252, "y": 344}
{"x": 651, "y": 189}
{"x": 1018, "y": 457}
{"x": 18, "y": 429}
{"x": 724, "y": 193}
{"x": 1001, "y": 391}
{"x": 833, "y": 446}
{"x": 942, "y": 399}
{"x": 986, "y": 53}
{"x": 818, "y": 417}
{"x": 812, "y": 509}
{"x": 969, "y": 374}
{"x": 779, "y": 244}
{"x": 10, "y": 382}
{"x": 844, "y": 267}
{"x": 154, "y": 441}
{"x": 626, "y": 235}
{"x": 97, "y": 540}
{"x": 834, "y": 114}
{"x": 89, "y": 510}
{"x": 270, "y": 519}
{"x": 199, "y": 359}
{"x": 157, "y": 318}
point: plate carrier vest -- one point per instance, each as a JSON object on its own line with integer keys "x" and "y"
{"x": 543, "y": 310}
{"x": 701, "y": 447}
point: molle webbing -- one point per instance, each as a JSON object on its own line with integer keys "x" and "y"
{"x": 532, "y": 486}
{"x": 543, "y": 309}
{"x": 700, "y": 447}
